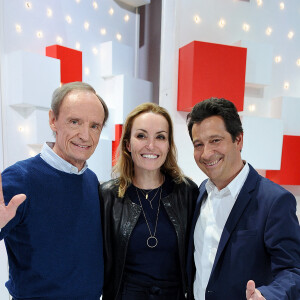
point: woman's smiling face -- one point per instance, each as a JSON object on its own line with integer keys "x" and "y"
{"x": 149, "y": 142}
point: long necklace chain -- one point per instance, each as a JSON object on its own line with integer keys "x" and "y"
{"x": 152, "y": 238}
{"x": 146, "y": 195}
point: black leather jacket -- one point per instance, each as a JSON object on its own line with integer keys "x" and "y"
{"x": 119, "y": 217}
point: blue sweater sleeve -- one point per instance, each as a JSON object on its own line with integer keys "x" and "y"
{"x": 13, "y": 183}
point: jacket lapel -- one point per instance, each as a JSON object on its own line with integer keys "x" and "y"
{"x": 240, "y": 205}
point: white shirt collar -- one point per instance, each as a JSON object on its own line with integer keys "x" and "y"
{"x": 234, "y": 187}
{"x": 55, "y": 161}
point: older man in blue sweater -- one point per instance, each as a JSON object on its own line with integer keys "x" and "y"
{"x": 53, "y": 239}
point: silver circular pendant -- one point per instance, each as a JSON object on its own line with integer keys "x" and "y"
{"x": 152, "y": 241}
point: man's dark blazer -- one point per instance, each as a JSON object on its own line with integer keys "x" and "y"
{"x": 260, "y": 241}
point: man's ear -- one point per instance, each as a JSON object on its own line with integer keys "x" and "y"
{"x": 239, "y": 141}
{"x": 52, "y": 120}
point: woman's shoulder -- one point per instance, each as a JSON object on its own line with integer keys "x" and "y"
{"x": 110, "y": 186}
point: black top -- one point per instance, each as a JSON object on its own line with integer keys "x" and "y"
{"x": 161, "y": 262}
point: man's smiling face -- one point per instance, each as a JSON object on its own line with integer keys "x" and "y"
{"x": 77, "y": 127}
{"x": 214, "y": 151}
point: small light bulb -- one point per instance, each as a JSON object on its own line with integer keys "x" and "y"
{"x": 281, "y": 5}
{"x": 126, "y": 18}
{"x": 278, "y": 59}
{"x": 59, "y": 40}
{"x": 21, "y": 128}
{"x": 39, "y": 34}
{"x": 49, "y": 12}
{"x": 32, "y": 153}
{"x": 69, "y": 19}
{"x": 77, "y": 1}
{"x": 298, "y": 62}
{"x": 28, "y": 5}
{"x": 118, "y": 36}
{"x": 103, "y": 31}
{"x": 286, "y": 85}
{"x": 86, "y": 71}
{"x": 246, "y": 27}
{"x": 95, "y": 5}
{"x": 252, "y": 107}
{"x": 77, "y": 46}
{"x": 259, "y": 2}
{"x": 111, "y": 11}
{"x": 86, "y": 25}
{"x": 197, "y": 19}
{"x": 95, "y": 50}
{"x": 18, "y": 28}
{"x": 290, "y": 35}
{"x": 268, "y": 31}
{"x": 222, "y": 23}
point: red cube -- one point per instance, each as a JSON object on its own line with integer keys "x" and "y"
{"x": 211, "y": 70}
{"x": 70, "y": 62}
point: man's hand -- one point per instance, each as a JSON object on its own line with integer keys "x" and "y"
{"x": 7, "y": 212}
{"x": 252, "y": 293}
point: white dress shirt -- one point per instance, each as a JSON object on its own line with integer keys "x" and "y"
{"x": 214, "y": 213}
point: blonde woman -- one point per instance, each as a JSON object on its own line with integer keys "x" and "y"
{"x": 146, "y": 212}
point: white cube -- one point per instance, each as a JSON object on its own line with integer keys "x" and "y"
{"x": 32, "y": 78}
{"x": 259, "y": 63}
{"x": 101, "y": 161}
{"x": 124, "y": 93}
{"x": 262, "y": 146}
{"x": 287, "y": 109}
{"x": 116, "y": 59}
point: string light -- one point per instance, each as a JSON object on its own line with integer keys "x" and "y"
{"x": 197, "y": 19}
{"x": 103, "y": 31}
{"x": 298, "y": 62}
{"x": 95, "y": 50}
{"x": 39, "y": 34}
{"x": 111, "y": 11}
{"x": 18, "y": 28}
{"x": 286, "y": 85}
{"x": 21, "y": 128}
{"x": 69, "y": 19}
{"x": 77, "y": 1}
{"x": 95, "y": 5}
{"x": 259, "y": 2}
{"x": 278, "y": 59}
{"x": 269, "y": 31}
{"x": 28, "y": 5}
{"x": 86, "y": 25}
{"x": 49, "y": 12}
{"x": 118, "y": 36}
{"x": 290, "y": 35}
{"x": 59, "y": 40}
{"x": 126, "y": 18}
{"x": 252, "y": 107}
{"x": 222, "y": 23}
{"x": 281, "y": 5}
{"x": 77, "y": 46}
{"x": 86, "y": 71}
{"x": 246, "y": 27}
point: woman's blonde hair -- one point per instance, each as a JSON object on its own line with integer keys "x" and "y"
{"x": 124, "y": 168}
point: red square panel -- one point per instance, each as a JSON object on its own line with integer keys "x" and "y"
{"x": 70, "y": 62}
{"x": 116, "y": 142}
{"x": 289, "y": 173}
{"x": 211, "y": 70}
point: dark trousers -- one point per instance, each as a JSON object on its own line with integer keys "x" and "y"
{"x": 135, "y": 289}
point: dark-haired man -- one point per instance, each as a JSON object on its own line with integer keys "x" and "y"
{"x": 54, "y": 242}
{"x": 245, "y": 239}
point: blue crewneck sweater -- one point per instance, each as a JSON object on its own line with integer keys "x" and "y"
{"x": 54, "y": 244}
